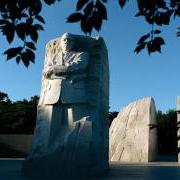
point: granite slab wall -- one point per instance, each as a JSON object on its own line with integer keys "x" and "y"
{"x": 133, "y": 133}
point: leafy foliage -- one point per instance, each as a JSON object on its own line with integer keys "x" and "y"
{"x": 23, "y": 19}
{"x": 91, "y": 14}
{"x": 122, "y": 3}
{"x": 151, "y": 43}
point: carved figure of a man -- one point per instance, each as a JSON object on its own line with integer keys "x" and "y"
{"x": 71, "y": 135}
{"x": 66, "y": 90}
{"x": 66, "y": 72}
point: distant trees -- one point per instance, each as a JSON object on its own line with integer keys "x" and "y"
{"x": 167, "y": 131}
{"x": 112, "y": 115}
{"x": 34, "y": 100}
{"x": 17, "y": 117}
{"x": 4, "y": 99}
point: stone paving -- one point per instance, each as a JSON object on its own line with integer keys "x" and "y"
{"x": 11, "y": 170}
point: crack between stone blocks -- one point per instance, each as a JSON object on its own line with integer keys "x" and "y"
{"x": 121, "y": 154}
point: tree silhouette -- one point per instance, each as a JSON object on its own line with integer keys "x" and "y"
{"x": 22, "y": 18}
{"x": 112, "y": 116}
{"x": 91, "y": 14}
{"x": 4, "y": 98}
{"x": 34, "y": 99}
{"x": 167, "y": 131}
{"x": 17, "y": 117}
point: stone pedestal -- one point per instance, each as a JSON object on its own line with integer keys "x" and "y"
{"x": 133, "y": 133}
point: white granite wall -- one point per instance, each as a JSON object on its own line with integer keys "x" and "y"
{"x": 133, "y": 133}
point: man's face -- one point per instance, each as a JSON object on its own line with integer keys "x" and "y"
{"x": 67, "y": 43}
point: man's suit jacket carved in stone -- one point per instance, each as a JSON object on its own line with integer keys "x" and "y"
{"x": 67, "y": 82}
{"x": 81, "y": 126}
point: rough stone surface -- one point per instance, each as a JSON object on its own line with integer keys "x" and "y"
{"x": 71, "y": 135}
{"x": 133, "y": 133}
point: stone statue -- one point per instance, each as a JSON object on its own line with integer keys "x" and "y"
{"x": 72, "y": 132}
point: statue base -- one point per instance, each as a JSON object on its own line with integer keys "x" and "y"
{"x": 51, "y": 167}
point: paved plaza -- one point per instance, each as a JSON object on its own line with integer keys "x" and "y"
{"x": 11, "y": 170}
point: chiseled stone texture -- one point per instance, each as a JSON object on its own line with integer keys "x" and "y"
{"x": 80, "y": 149}
{"x": 133, "y": 133}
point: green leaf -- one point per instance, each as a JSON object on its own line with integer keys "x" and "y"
{"x": 33, "y": 34}
{"x": 157, "y": 31}
{"x": 86, "y": 25}
{"x": 140, "y": 47}
{"x": 122, "y": 3}
{"x": 159, "y": 40}
{"x": 40, "y": 18}
{"x": 81, "y": 4}
{"x": 143, "y": 38}
{"x": 30, "y": 55}
{"x": 35, "y": 7}
{"x": 96, "y": 20}
{"x": 49, "y": 2}
{"x": 24, "y": 58}
{"x": 38, "y": 27}
{"x": 178, "y": 34}
{"x": 8, "y": 30}
{"x": 88, "y": 9}
{"x": 101, "y": 9}
{"x": 31, "y": 45}
{"x": 12, "y": 52}
{"x": 2, "y": 21}
{"x": 75, "y": 17}
{"x": 27, "y": 56}
{"x": 21, "y": 30}
{"x": 18, "y": 58}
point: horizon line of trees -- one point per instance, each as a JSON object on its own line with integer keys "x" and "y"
{"x": 19, "y": 117}
{"x": 4, "y": 99}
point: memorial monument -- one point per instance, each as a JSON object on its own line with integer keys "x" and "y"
{"x": 133, "y": 133}
{"x": 71, "y": 135}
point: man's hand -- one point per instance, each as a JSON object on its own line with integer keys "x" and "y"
{"x": 48, "y": 72}
{"x": 60, "y": 70}
{"x": 57, "y": 70}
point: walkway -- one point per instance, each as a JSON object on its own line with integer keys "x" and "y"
{"x": 11, "y": 170}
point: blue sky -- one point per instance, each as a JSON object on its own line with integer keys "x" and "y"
{"x": 131, "y": 76}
